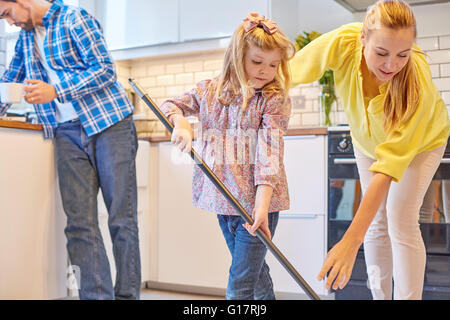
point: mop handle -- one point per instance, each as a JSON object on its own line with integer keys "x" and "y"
{"x": 234, "y": 202}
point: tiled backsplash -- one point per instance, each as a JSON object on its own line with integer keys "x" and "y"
{"x": 164, "y": 78}
{"x": 167, "y": 77}
{"x": 438, "y": 52}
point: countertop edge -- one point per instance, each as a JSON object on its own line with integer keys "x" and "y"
{"x": 20, "y": 125}
{"x": 165, "y": 138}
{"x": 290, "y": 132}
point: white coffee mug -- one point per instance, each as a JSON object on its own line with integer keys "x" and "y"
{"x": 11, "y": 92}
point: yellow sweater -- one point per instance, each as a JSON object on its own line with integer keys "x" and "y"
{"x": 341, "y": 51}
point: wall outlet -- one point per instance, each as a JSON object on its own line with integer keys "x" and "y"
{"x": 298, "y": 102}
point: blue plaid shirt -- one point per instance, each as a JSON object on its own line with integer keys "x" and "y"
{"x": 76, "y": 50}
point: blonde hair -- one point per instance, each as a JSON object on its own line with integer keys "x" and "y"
{"x": 403, "y": 90}
{"x": 233, "y": 80}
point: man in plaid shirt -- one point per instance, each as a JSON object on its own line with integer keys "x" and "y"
{"x": 71, "y": 80}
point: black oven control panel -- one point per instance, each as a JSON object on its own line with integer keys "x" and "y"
{"x": 340, "y": 143}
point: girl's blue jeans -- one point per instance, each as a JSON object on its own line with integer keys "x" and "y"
{"x": 249, "y": 277}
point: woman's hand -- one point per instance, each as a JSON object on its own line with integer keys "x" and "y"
{"x": 182, "y": 133}
{"x": 339, "y": 262}
{"x": 39, "y": 92}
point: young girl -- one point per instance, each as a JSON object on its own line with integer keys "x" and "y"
{"x": 245, "y": 109}
{"x": 399, "y": 126}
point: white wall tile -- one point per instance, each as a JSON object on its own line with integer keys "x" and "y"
{"x": 444, "y": 42}
{"x": 147, "y": 82}
{"x": 195, "y": 66}
{"x": 435, "y": 70}
{"x": 311, "y": 93}
{"x": 156, "y": 70}
{"x": 138, "y": 71}
{"x": 445, "y": 70}
{"x": 341, "y": 118}
{"x": 184, "y": 78}
{"x": 310, "y": 119}
{"x": 446, "y": 97}
{"x": 175, "y": 68}
{"x": 199, "y": 76}
{"x": 174, "y": 91}
{"x": 427, "y": 44}
{"x": 189, "y": 87}
{"x": 156, "y": 92}
{"x": 440, "y": 56}
{"x": 212, "y": 65}
{"x": 166, "y": 80}
{"x": 295, "y": 121}
{"x": 294, "y": 91}
{"x": 442, "y": 84}
{"x": 309, "y": 106}
{"x": 122, "y": 71}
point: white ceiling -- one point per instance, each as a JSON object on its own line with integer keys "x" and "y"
{"x": 361, "y": 5}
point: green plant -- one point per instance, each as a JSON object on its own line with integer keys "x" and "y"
{"x": 328, "y": 95}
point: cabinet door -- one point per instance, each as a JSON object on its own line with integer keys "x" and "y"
{"x": 203, "y": 19}
{"x": 301, "y": 239}
{"x": 137, "y": 23}
{"x": 305, "y": 162}
{"x": 191, "y": 248}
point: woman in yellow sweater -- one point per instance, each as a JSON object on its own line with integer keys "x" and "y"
{"x": 399, "y": 126}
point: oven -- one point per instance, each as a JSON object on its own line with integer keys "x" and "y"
{"x": 344, "y": 196}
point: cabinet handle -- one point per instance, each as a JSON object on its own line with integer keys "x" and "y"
{"x": 309, "y": 136}
{"x": 298, "y": 216}
{"x": 344, "y": 161}
{"x": 445, "y": 160}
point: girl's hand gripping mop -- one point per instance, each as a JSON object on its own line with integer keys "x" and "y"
{"x": 233, "y": 201}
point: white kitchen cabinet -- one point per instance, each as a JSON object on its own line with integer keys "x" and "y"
{"x": 301, "y": 231}
{"x": 305, "y": 162}
{"x": 191, "y": 248}
{"x": 137, "y": 23}
{"x": 204, "y": 19}
{"x": 301, "y": 240}
{"x": 143, "y": 208}
{"x": 144, "y": 28}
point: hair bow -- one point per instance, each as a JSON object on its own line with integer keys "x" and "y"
{"x": 253, "y": 20}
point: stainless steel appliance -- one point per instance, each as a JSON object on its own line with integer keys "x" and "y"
{"x": 344, "y": 196}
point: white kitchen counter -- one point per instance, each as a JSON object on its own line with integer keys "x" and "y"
{"x": 33, "y": 256}
{"x": 32, "y": 242}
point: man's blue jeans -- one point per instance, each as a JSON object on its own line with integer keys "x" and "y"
{"x": 85, "y": 164}
{"x": 249, "y": 276}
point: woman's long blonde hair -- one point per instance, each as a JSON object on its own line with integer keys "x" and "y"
{"x": 403, "y": 90}
{"x": 233, "y": 80}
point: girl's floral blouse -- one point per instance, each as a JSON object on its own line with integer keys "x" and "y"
{"x": 243, "y": 148}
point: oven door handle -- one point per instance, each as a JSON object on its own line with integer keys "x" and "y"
{"x": 344, "y": 161}
{"x": 353, "y": 161}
